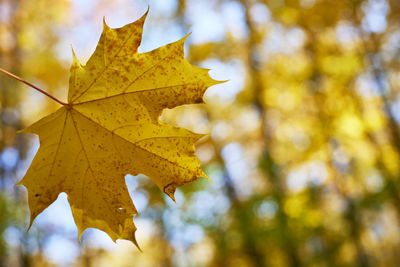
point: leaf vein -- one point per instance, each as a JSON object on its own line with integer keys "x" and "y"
{"x": 136, "y": 145}
{"x": 105, "y": 67}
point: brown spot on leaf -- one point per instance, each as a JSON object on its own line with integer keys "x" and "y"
{"x": 198, "y": 100}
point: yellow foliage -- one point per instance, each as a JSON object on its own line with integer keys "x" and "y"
{"x": 390, "y": 159}
{"x": 350, "y": 125}
{"x": 294, "y": 206}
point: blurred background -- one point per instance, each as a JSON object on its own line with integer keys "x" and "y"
{"x": 304, "y": 141}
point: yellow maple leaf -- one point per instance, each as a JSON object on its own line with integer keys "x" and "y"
{"x": 110, "y": 128}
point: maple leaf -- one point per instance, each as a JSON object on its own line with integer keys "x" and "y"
{"x": 110, "y": 128}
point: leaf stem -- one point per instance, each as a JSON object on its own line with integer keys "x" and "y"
{"x": 33, "y": 86}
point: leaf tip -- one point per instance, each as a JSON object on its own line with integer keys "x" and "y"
{"x": 183, "y": 39}
{"x": 215, "y": 82}
{"x": 105, "y": 26}
{"x": 134, "y": 241}
{"x": 80, "y": 232}
{"x": 30, "y": 225}
{"x": 169, "y": 189}
{"x": 33, "y": 217}
{"x": 22, "y": 131}
{"x": 187, "y": 35}
{"x": 172, "y": 196}
{"x": 202, "y": 135}
{"x": 218, "y": 82}
{"x": 75, "y": 61}
{"x": 206, "y": 177}
{"x": 141, "y": 20}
